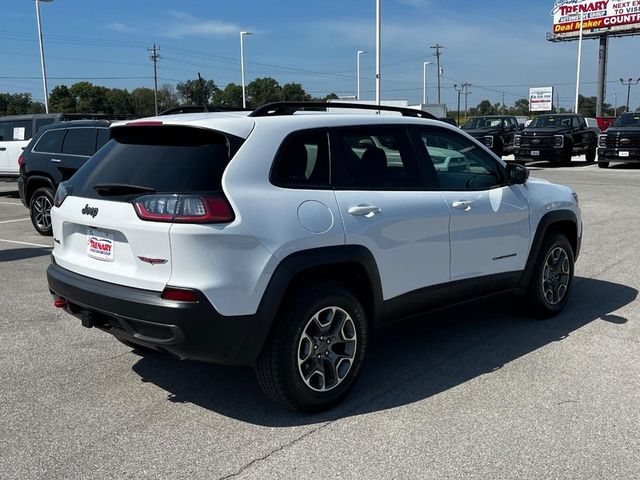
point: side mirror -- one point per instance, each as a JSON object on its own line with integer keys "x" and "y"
{"x": 520, "y": 127}
{"x": 517, "y": 174}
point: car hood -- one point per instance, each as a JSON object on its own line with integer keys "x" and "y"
{"x": 534, "y": 132}
{"x": 479, "y": 132}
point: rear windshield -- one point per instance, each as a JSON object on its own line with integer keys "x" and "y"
{"x": 164, "y": 159}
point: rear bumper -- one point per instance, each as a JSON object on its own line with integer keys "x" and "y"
{"x": 188, "y": 330}
{"x": 22, "y": 191}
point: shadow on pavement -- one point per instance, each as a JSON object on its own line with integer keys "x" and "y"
{"x": 407, "y": 362}
{"x": 23, "y": 253}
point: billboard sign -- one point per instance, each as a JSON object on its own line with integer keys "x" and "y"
{"x": 598, "y": 17}
{"x": 541, "y": 99}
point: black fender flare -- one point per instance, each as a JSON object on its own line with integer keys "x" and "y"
{"x": 545, "y": 224}
{"x": 297, "y": 263}
{"x": 28, "y": 190}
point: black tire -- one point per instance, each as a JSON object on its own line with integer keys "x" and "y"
{"x": 40, "y": 210}
{"x": 555, "y": 263}
{"x": 279, "y": 368}
{"x": 603, "y": 164}
{"x": 566, "y": 159}
{"x": 591, "y": 154}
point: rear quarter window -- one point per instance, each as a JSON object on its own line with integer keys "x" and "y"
{"x": 50, "y": 142}
{"x": 80, "y": 141}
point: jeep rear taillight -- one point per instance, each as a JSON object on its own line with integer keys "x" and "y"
{"x": 175, "y": 208}
{"x": 20, "y": 160}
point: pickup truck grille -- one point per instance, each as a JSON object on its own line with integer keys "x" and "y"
{"x": 536, "y": 141}
{"x": 622, "y": 141}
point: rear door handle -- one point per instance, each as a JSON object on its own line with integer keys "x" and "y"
{"x": 465, "y": 205}
{"x": 3, "y": 149}
{"x": 56, "y": 160}
{"x": 364, "y": 211}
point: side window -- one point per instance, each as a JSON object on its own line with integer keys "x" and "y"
{"x": 373, "y": 157}
{"x": 50, "y": 142}
{"x": 303, "y": 162}
{"x": 5, "y": 132}
{"x": 80, "y": 141}
{"x": 459, "y": 163}
{"x": 15, "y": 130}
{"x": 103, "y": 137}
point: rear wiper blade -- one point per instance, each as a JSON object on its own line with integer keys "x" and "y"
{"x": 120, "y": 189}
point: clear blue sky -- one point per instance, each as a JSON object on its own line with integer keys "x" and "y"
{"x": 497, "y": 45}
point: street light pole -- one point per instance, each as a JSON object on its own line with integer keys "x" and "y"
{"x": 42, "y": 64}
{"x": 244, "y": 96}
{"x": 579, "y": 62}
{"x": 378, "y": 48}
{"x": 424, "y": 82}
{"x": 628, "y": 83}
{"x": 358, "y": 53}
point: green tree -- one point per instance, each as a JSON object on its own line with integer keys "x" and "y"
{"x": 15, "y": 103}
{"x": 119, "y": 102}
{"x": 143, "y": 102}
{"x": 485, "y": 108}
{"x": 37, "y": 107}
{"x": 197, "y": 92}
{"x": 61, "y": 100}
{"x": 293, "y": 92}
{"x": 90, "y": 98}
{"x": 230, "y": 97}
{"x": 521, "y": 107}
{"x": 263, "y": 90}
{"x": 167, "y": 97}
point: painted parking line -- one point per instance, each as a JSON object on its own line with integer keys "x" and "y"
{"x": 14, "y": 204}
{"x": 16, "y": 220}
{"x": 26, "y": 243}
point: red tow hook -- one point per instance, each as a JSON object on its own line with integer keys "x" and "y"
{"x": 60, "y": 303}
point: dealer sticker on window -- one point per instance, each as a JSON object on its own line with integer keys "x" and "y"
{"x": 100, "y": 245}
{"x": 623, "y": 154}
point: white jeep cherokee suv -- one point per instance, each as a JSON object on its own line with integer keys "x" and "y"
{"x": 280, "y": 240}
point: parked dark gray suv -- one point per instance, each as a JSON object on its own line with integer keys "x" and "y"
{"x": 53, "y": 156}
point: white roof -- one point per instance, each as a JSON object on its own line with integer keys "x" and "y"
{"x": 240, "y": 124}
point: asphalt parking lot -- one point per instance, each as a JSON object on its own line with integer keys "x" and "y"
{"x": 476, "y": 391}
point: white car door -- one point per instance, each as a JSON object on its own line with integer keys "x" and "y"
{"x": 490, "y": 232}
{"x": 386, "y": 208}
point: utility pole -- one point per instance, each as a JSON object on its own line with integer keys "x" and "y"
{"x": 615, "y": 105}
{"x": 503, "y": 103}
{"x": 154, "y": 58}
{"x": 466, "y": 97}
{"x": 628, "y": 83}
{"x": 437, "y": 47}
{"x": 459, "y": 89}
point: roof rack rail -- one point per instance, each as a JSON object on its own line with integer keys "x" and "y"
{"x": 200, "y": 109}
{"x": 289, "y": 108}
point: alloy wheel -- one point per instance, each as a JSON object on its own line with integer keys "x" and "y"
{"x": 327, "y": 349}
